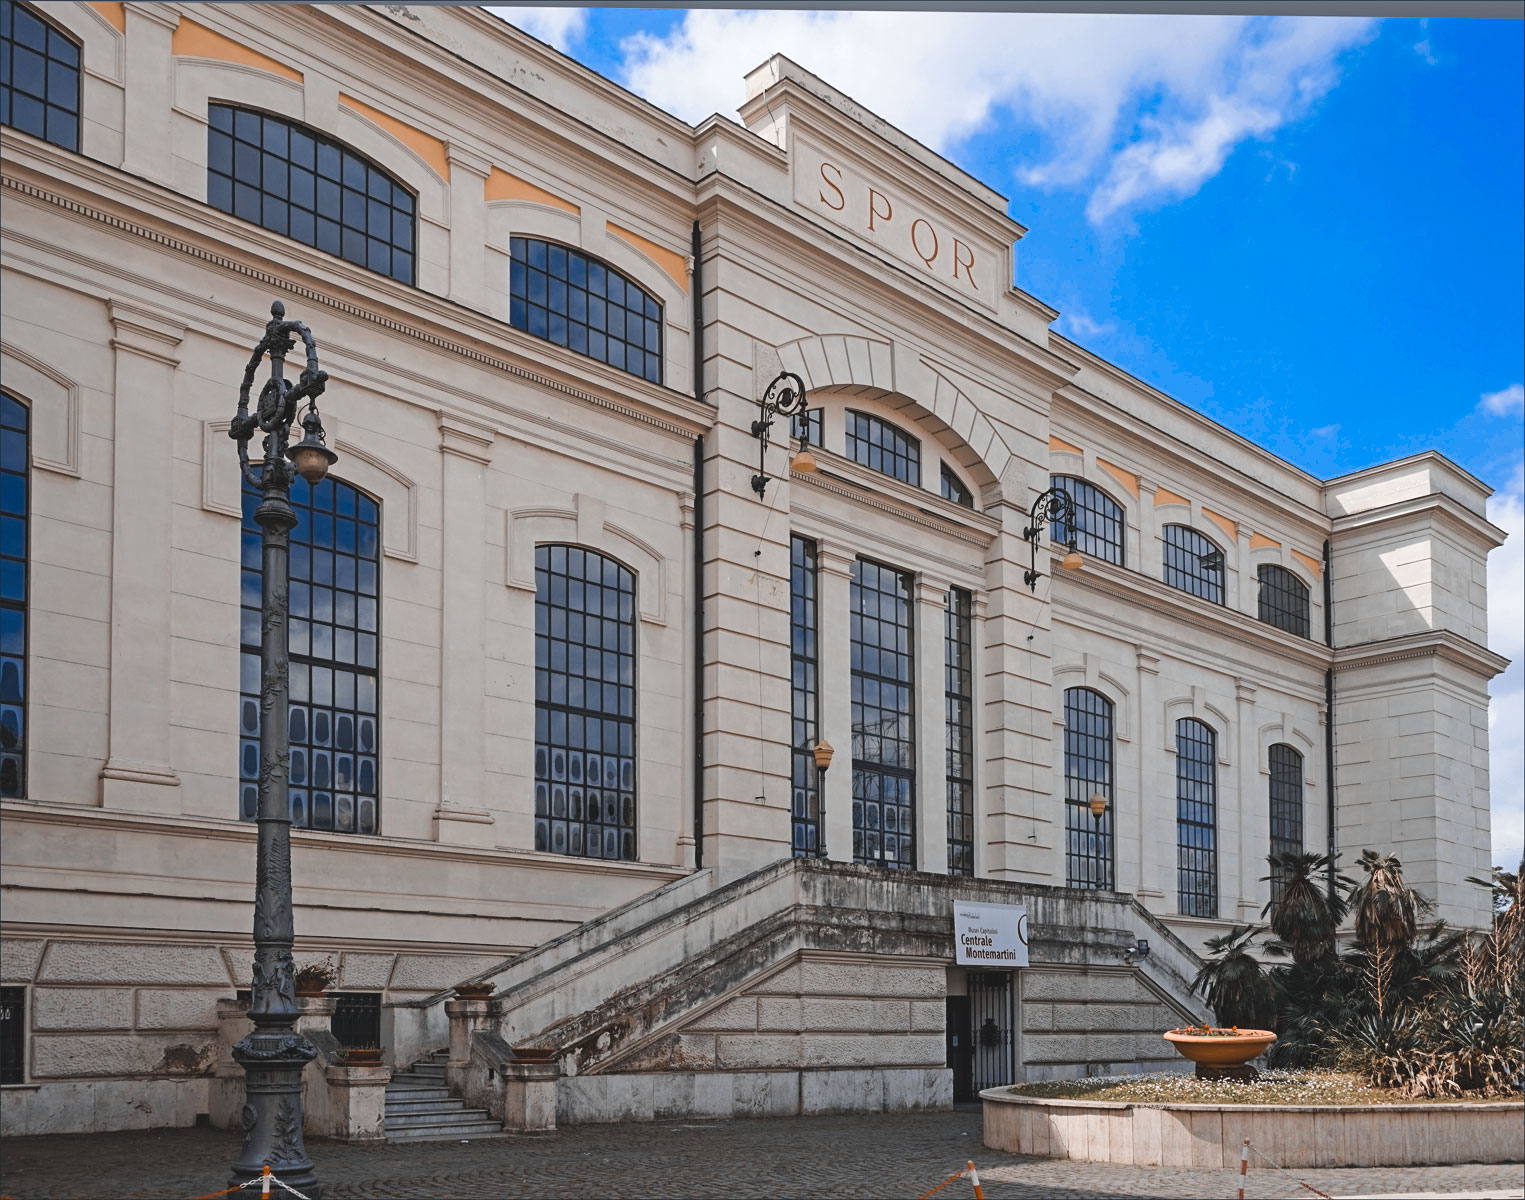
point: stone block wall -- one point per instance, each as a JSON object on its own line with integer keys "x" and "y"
{"x": 1095, "y": 1021}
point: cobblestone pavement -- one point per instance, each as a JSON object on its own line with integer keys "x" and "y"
{"x": 901, "y": 1155}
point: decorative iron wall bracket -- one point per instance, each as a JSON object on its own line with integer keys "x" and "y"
{"x": 784, "y": 397}
{"x": 1052, "y": 505}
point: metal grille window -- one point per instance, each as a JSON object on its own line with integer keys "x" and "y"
{"x": 1193, "y": 563}
{"x": 953, "y": 489}
{"x": 39, "y": 77}
{"x": 584, "y": 704}
{"x": 807, "y": 426}
{"x": 1098, "y": 525}
{"x": 14, "y": 514}
{"x": 1286, "y": 766}
{"x": 334, "y": 724}
{"x": 295, "y": 181}
{"x": 993, "y": 1021}
{"x": 1087, "y": 773}
{"x": 12, "y": 1035}
{"x": 883, "y": 731}
{"x": 564, "y": 296}
{"x": 1283, "y": 600}
{"x": 804, "y": 693}
{"x": 357, "y": 1019}
{"x": 1196, "y": 818}
{"x": 958, "y": 699}
{"x": 877, "y": 444}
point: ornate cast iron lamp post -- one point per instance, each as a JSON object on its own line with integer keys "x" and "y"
{"x": 785, "y": 397}
{"x": 1051, "y": 506}
{"x": 274, "y": 1055}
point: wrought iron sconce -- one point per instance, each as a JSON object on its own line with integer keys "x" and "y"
{"x": 1053, "y": 505}
{"x": 1139, "y": 949}
{"x": 823, "y": 753}
{"x": 1098, "y": 806}
{"x": 784, "y": 397}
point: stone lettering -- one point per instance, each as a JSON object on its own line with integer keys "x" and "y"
{"x": 873, "y": 209}
{"x": 967, "y": 264}
{"x": 841, "y": 196}
{"x": 929, "y": 259}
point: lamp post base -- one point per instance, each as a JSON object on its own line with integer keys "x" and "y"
{"x": 273, "y": 1060}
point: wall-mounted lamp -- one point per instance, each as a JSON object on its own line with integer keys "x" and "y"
{"x": 823, "y": 753}
{"x": 1053, "y": 506}
{"x": 1098, "y": 806}
{"x": 1139, "y": 949}
{"x": 784, "y": 397}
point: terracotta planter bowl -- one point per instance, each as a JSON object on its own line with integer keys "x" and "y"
{"x": 1221, "y": 1050}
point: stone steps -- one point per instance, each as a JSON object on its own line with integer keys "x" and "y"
{"x": 419, "y": 1106}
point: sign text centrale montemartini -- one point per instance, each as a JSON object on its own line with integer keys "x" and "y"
{"x": 975, "y": 947}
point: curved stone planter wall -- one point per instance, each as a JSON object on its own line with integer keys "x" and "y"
{"x": 1209, "y": 1135}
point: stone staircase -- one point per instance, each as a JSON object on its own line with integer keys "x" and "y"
{"x": 419, "y": 1106}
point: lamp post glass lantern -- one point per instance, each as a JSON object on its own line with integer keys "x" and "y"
{"x": 274, "y": 1054}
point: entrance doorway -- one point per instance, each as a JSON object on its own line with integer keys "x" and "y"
{"x": 992, "y": 1029}
{"x": 960, "y": 1048}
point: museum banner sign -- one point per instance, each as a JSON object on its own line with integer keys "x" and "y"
{"x": 990, "y": 935}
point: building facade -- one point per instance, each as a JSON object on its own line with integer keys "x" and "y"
{"x": 560, "y": 668}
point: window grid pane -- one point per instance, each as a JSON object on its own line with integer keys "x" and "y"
{"x": 882, "y": 447}
{"x": 1286, "y": 765}
{"x": 1283, "y": 600}
{"x": 1193, "y": 563}
{"x": 564, "y": 296}
{"x": 953, "y": 489}
{"x": 585, "y": 765}
{"x": 333, "y": 639}
{"x": 1098, "y": 524}
{"x": 804, "y": 664}
{"x": 1087, "y": 773}
{"x": 295, "y": 181}
{"x": 807, "y": 426}
{"x": 883, "y": 731}
{"x": 1196, "y": 818}
{"x": 39, "y": 77}
{"x": 958, "y": 699}
{"x": 14, "y": 532}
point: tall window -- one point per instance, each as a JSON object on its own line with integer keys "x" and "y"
{"x": 804, "y": 694}
{"x": 1283, "y": 599}
{"x": 884, "y": 738}
{"x": 1196, "y": 818}
{"x": 14, "y": 512}
{"x": 584, "y": 704}
{"x": 953, "y": 488}
{"x": 39, "y": 77}
{"x": 1087, "y": 773}
{"x": 807, "y": 426}
{"x": 877, "y": 444}
{"x": 562, "y": 295}
{"x": 958, "y": 699}
{"x": 1193, "y": 563}
{"x": 1286, "y": 766}
{"x": 334, "y": 724}
{"x": 295, "y": 181}
{"x": 1098, "y": 525}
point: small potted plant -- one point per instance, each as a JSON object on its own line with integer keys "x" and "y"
{"x": 315, "y": 978}
{"x": 474, "y": 991}
{"x": 360, "y": 1056}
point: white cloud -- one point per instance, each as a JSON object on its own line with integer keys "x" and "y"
{"x": 1506, "y": 710}
{"x": 558, "y": 26}
{"x": 1079, "y": 324}
{"x": 1503, "y": 403}
{"x": 1325, "y": 431}
{"x": 1136, "y": 108}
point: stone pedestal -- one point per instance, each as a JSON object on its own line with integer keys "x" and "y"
{"x": 357, "y": 1102}
{"x": 466, "y": 1017}
{"x": 529, "y": 1096}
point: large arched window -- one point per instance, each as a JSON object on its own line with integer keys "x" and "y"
{"x": 335, "y": 765}
{"x": 1193, "y": 563}
{"x": 584, "y": 704}
{"x": 883, "y": 447}
{"x": 301, "y": 183}
{"x": 883, "y": 716}
{"x": 39, "y": 77}
{"x": 1286, "y": 768}
{"x": 1196, "y": 818}
{"x": 566, "y": 297}
{"x": 954, "y": 488}
{"x": 1283, "y": 599}
{"x": 1098, "y": 525}
{"x": 1087, "y": 773}
{"x": 15, "y": 509}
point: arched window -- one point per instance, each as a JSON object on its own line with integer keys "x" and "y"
{"x": 1286, "y": 766}
{"x": 1283, "y": 599}
{"x": 807, "y": 426}
{"x": 958, "y": 700}
{"x": 1098, "y": 525}
{"x": 1196, "y": 818}
{"x": 301, "y": 183}
{"x": 883, "y": 447}
{"x": 14, "y": 516}
{"x": 1087, "y": 773}
{"x": 566, "y": 297}
{"x": 39, "y": 77}
{"x": 883, "y": 716}
{"x": 953, "y": 488}
{"x": 1193, "y": 563}
{"x": 584, "y": 704}
{"x": 335, "y": 765}
{"x": 805, "y": 696}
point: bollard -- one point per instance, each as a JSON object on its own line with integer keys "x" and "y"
{"x": 974, "y": 1178}
{"x": 1244, "y": 1165}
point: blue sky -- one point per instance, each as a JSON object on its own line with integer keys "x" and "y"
{"x": 1309, "y": 229}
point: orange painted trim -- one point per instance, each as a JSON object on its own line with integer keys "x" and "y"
{"x": 1055, "y": 442}
{"x": 1127, "y": 478}
{"x": 1308, "y": 561}
{"x": 675, "y": 266}
{"x": 1165, "y": 496}
{"x": 1259, "y": 541}
{"x": 115, "y": 12}
{"x": 1224, "y": 523}
{"x": 197, "y": 41}
{"x": 500, "y": 185}
{"x": 430, "y": 149}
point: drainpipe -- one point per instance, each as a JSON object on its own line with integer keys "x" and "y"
{"x": 698, "y": 605}
{"x": 1329, "y": 717}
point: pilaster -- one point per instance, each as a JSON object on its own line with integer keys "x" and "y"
{"x": 1152, "y": 825}
{"x": 931, "y": 725}
{"x": 1250, "y": 812}
{"x": 468, "y": 226}
{"x": 835, "y": 564}
{"x": 149, "y": 96}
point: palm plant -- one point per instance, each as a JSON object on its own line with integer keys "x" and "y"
{"x": 1387, "y": 910}
{"x": 1239, "y": 991}
{"x": 1304, "y": 915}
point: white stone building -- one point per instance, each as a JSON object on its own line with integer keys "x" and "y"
{"x": 549, "y": 311}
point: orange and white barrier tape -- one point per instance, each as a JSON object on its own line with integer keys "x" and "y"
{"x": 1244, "y": 1165}
{"x": 974, "y": 1179}
{"x": 265, "y": 1178}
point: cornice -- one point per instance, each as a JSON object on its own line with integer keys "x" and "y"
{"x": 239, "y": 942}
{"x": 843, "y": 477}
{"x": 1435, "y": 643}
{"x": 1432, "y": 506}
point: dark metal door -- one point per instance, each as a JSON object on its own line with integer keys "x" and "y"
{"x": 12, "y": 1026}
{"x": 992, "y": 1018}
{"x": 357, "y": 1019}
{"x": 960, "y": 1048}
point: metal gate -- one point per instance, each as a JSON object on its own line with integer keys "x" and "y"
{"x": 992, "y": 1018}
{"x": 12, "y": 1034}
{"x": 357, "y": 1019}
